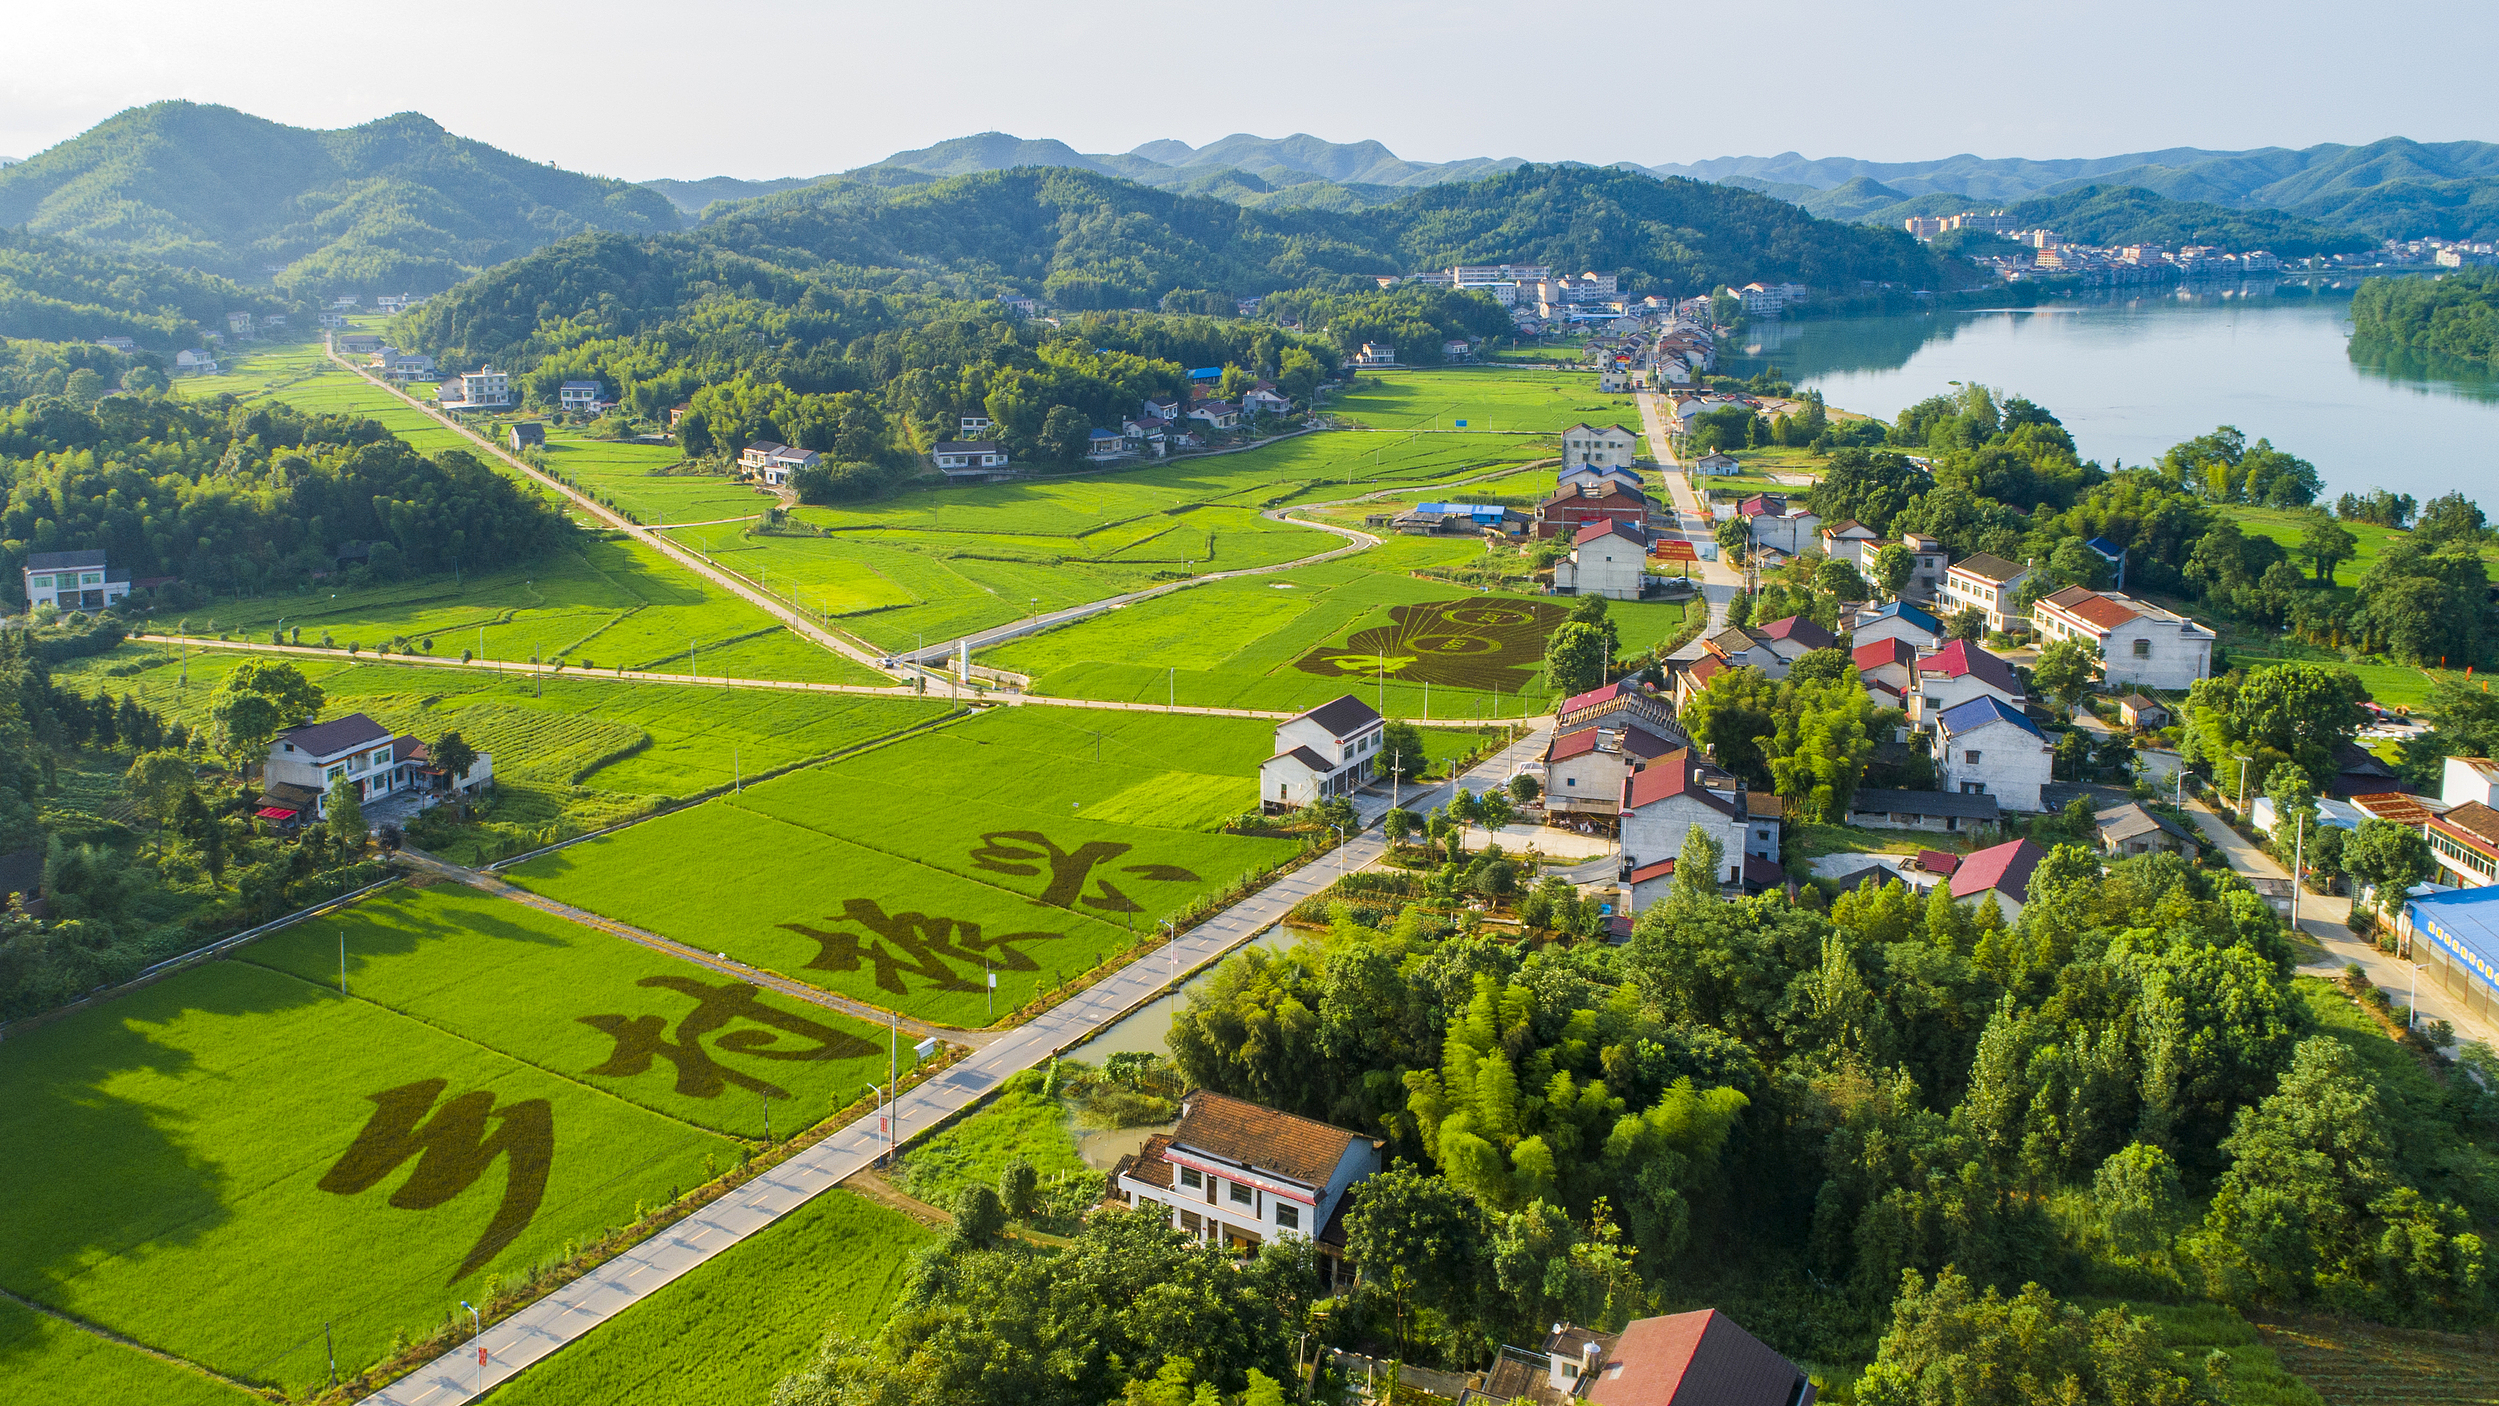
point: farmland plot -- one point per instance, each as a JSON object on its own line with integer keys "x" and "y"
{"x": 45, "y": 1359}
{"x": 1486, "y": 398}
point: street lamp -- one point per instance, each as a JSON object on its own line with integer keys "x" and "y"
{"x": 2412, "y": 1003}
{"x": 2243, "y": 761}
{"x": 1340, "y": 839}
{"x": 477, "y": 1339}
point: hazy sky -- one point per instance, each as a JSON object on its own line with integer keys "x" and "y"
{"x": 772, "y": 88}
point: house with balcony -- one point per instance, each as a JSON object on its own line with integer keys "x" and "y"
{"x": 2140, "y": 645}
{"x": 1901, "y": 621}
{"x": 1586, "y": 501}
{"x": 73, "y": 581}
{"x": 1662, "y": 801}
{"x": 1988, "y": 585}
{"x": 1236, "y": 1174}
{"x": 971, "y": 460}
{"x": 1333, "y": 750}
{"x": 1986, "y": 747}
{"x": 305, "y": 761}
{"x": 1585, "y": 766}
{"x": 579, "y": 397}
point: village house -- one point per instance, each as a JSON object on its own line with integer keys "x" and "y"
{"x": 1853, "y": 542}
{"x": 402, "y": 366}
{"x": 2139, "y": 645}
{"x": 73, "y": 581}
{"x": 1949, "y": 811}
{"x": 488, "y": 389}
{"x": 1988, "y": 585}
{"x": 1614, "y": 380}
{"x": 1586, "y": 444}
{"x": 1571, "y": 509}
{"x": 1662, "y": 801}
{"x": 1237, "y": 1175}
{"x": 124, "y": 345}
{"x": 2000, "y": 875}
{"x": 1700, "y": 1358}
{"x": 1619, "y": 702}
{"x": 970, "y": 461}
{"x": 1608, "y": 558}
{"x": 357, "y": 344}
{"x": 1217, "y": 414}
{"x": 1794, "y": 637}
{"x": 1715, "y": 464}
{"x": 1330, "y": 751}
{"x": 1585, "y": 766}
{"x": 304, "y": 761}
{"x": 1889, "y": 670}
{"x": 528, "y": 434}
{"x": 1926, "y": 566}
{"x": 773, "y": 463}
{"x": 1957, "y": 673}
{"x": 578, "y": 397}
{"x": 975, "y": 426}
{"x": 1742, "y": 647}
{"x": 1264, "y": 399}
{"x": 1376, "y": 354}
{"x": 1986, "y": 747}
{"x": 1102, "y": 446}
{"x": 1457, "y": 349}
{"x": 1778, "y": 525}
{"x": 1688, "y": 679}
{"x": 1898, "y": 621}
{"x": 2130, "y": 829}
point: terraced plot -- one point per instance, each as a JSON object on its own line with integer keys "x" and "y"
{"x": 1486, "y": 398}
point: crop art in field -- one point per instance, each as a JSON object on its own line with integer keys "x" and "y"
{"x": 452, "y": 1150}
{"x": 643, "y": 1038}
{"x": 1481, "y": 644}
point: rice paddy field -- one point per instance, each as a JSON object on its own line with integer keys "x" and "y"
{"x": 45, "y": 1359}
{"x": 724, "y": 1333}
{"x": 1488, "y": 398}
{"x": 301, "y": 374}
{"x": 220, "y": 1165}
{"x": 937, "y": 563}
{"x": 636, "y": 479}
{"x": 579, "y": 1003}
{"x": 610, "y": 603}
{"x": 902, "y": 874}
{"x": 1295, "y": 639}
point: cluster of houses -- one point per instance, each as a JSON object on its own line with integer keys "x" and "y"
{"x": 2043, "y": 252}
{"x": 1158, "y": 429}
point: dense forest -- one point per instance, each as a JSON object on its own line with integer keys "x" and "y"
{"x": 1780, "y": 1109}
{"x": 2456, "y": 314}
{"x": 395, "y": 205}
{"x": 245, "y": 497}
{"x": 56, "y": 291}
{"x": 2111, "y": 215}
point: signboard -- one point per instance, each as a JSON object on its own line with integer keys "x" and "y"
{"x": 1462, "y": 424}
{"x": 481, "y": 1354}
{"x": 1674, "y": 549}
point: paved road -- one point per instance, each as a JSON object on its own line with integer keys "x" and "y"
{"x": 548, "y": 1324}
{"x": 1719, "y": 581}
{"x": 2332, "y": 946}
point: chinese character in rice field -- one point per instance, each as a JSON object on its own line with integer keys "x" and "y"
{"x": 915, "y": 944}
{"x": 640, "y": 1039}
{"x": 1028, "y": 852}
{"x": 1481, "y": 643}
{"x": 452, "y": 1150}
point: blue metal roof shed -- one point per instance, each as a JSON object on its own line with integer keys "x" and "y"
{"x": 2457, "y": 935}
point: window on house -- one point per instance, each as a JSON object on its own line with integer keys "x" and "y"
{"x": 334, "y": 773}
{"x": 1241, "y": 1194}
{"x": 1970, "y": 758}
{"x": 1974, "y": 788}
{"x": 1288, "y": 1217}
{"x": 2143, "y": 649}
{"x": 1189, "y": 1177}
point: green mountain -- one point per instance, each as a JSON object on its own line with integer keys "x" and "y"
{"x": 54, "y": 291}
{"x": 2457, "y": 315}
{"x": 2110, "y": 214}
{"x": 395, "y": 205}
{"x": 2392, "y": 189}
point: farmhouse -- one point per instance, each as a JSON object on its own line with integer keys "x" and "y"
{"x": 1889, "y": 669}
{"x": 1778, "y": 525}
{"x": 2130, "y": 829}
{"x": 1376, "y": 354}
{"x": 1688, "y": 1359}
{"x": 528, "y": 434}
{"x": 1330, "y": 751}
{"x": 1926, "y": 565}
{"x": 1851, "y": 541}
{"x": 1237, "y": 1175}
{"x": 2142, "y": 645}
{"x": 1986, "y": 584}
{"x": 488, "y": 389}
{"x": 774, "y": 463}
{"x": 1741, "y": 647}
{"x": 1662, "y": 801}
{"x": 970, "y": 460}
{"x": 1999, "y": 874}
{"x": 304, "y": 761}
{"x": 73, "y": 581}
{"x": 1572, "y": 509}
{"x": 2136, "y": 710}
{"x": 1626, "y": 699}
{"x": 1608, "y": 558}
{"x": 1585, "y": 767}
{"x": 1957, "y": 673}
{"x": 1585, "y": 444}
{"x": 1898, "y": 621}
{"x": 1794, "y": 637}
{"x": 1580, "y": 474}
{"x": 1949, "y": 811}
{"x": 1262, "y": 399}
{"x": 579, "y": 397}
{"x": 1218, "y": 414}
{"x": 1986, "y": 747}
{"x": 1716, "y": 464}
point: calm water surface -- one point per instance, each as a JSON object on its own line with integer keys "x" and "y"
{"x": 2131, "y": 376}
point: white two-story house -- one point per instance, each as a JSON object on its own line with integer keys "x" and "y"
{"x": 72, "y": 581}
{"x": 1985, "y": 747}
{"x": 1957, "y": 673}
{"x": 1332, "y": 750}
{"x": 304, "y": 761}
{"x": 1608, "y": 558}
{"x": 2140, "y": 646}
{"x": 1586, "y": 444}
{"x": 1236, "y": 1174}
{"x": 1987, "y": 584}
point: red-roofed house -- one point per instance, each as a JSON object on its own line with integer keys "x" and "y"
{"x": 1692, "y": 678}
{"x": 2141, "y": 646}
{"x": 1999, "y": 874}
{"x": 1585, "y": 767}
{"x": 1237, "y": 1174}
{"x": 1954, "y": 675}
{"x": 1608, "y": 558}
{"x": 1662, "y": 801}
{"x": 1779, "y": 524}
{"x": 1792, "y": 638}
{"x": 1569, "y": 511}
{"x": 1626, "y": 698}
{"x": 1685, "y": 1359}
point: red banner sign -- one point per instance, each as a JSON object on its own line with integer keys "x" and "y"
{"x": 1674, "y": 549}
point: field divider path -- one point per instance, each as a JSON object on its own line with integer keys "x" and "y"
{"x": 97, "y": 1330}
{"x": 501, "y": 887}
{"x": 524, "y": 1337}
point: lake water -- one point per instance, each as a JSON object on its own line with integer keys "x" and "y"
{"x": 1141, "y": 1031}
{"x": 2132, "y": 375}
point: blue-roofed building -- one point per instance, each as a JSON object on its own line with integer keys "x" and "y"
{"x": 1898, "y": 621}
{"x": 2114, "y": 555}
{"x": 2455, "y": 937}
{"x": 1985, "y": 747}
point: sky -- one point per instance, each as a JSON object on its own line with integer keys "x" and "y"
{"x": 761, "y": 88}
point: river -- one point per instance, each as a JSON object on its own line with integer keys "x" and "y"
{"x": 2132, "y": 373}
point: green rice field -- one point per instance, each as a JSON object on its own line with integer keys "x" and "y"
{"x": 610, "y": 603}
{"x": 632, "y": 477}
{"x": 724, "y": 1333}
{"x": 233, "y": 1128}
{"x": 937, "y": 563}
{"x": 301, "y": 374}
{"x": 871, "y": 876}
{"x": 575, "y": 1002}
{"x": 1295, "y": 639}
{"x": 45, "y": 1359}
{"x": 1488, "y": 398}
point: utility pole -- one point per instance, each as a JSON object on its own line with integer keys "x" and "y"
{"x": 342, "y": 961}
{"x": 2299, "y": 864}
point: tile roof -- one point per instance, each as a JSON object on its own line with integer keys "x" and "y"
{"x": 1605, "y": 694}
{"x": 1909, "y": 614}
{"x": 1984, "y": 711}
{"x": 1148, "y": 1165}
{"x": 1765, "y": 805}
{"x": 2472, "y": 819}
{"x": 1675, "y": 774}
{"x": 2006, "y": 867}
{"x": 1695, "y": 1359}
{"x": 1343, "y": 717}
{"x": 1301, "y": 1149}
{"x": 1707, "y": 667}
{"x": 2396, "y": 806}
{"x": 63, "y": 561}
{"x": 1945, "y": 803}
{"x": 1988, "y": 568}
{"x": 2131, "y": 819}
{"x": 1608, "y": 527}
{"x": 1936, "y": 861}
{"x": 2101, "y": 612}
{"x": 337, "y": 735}
{"x": 1876, "y": 654}
{"x": 1572, "y": 744}
{"x": 1802, "y": 630}
{"x": 1845, "y": 526}
{"x": 1962, "y": 657}
{"x": 1662, "y": 869}
{"x": 964, "y": 446}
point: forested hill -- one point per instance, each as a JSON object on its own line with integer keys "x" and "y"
{"x": 1085, "y": 240}
{"x": 395, "y": 205}
{"x": 2457, "y": 314}
{"x": 55, "y": 291}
